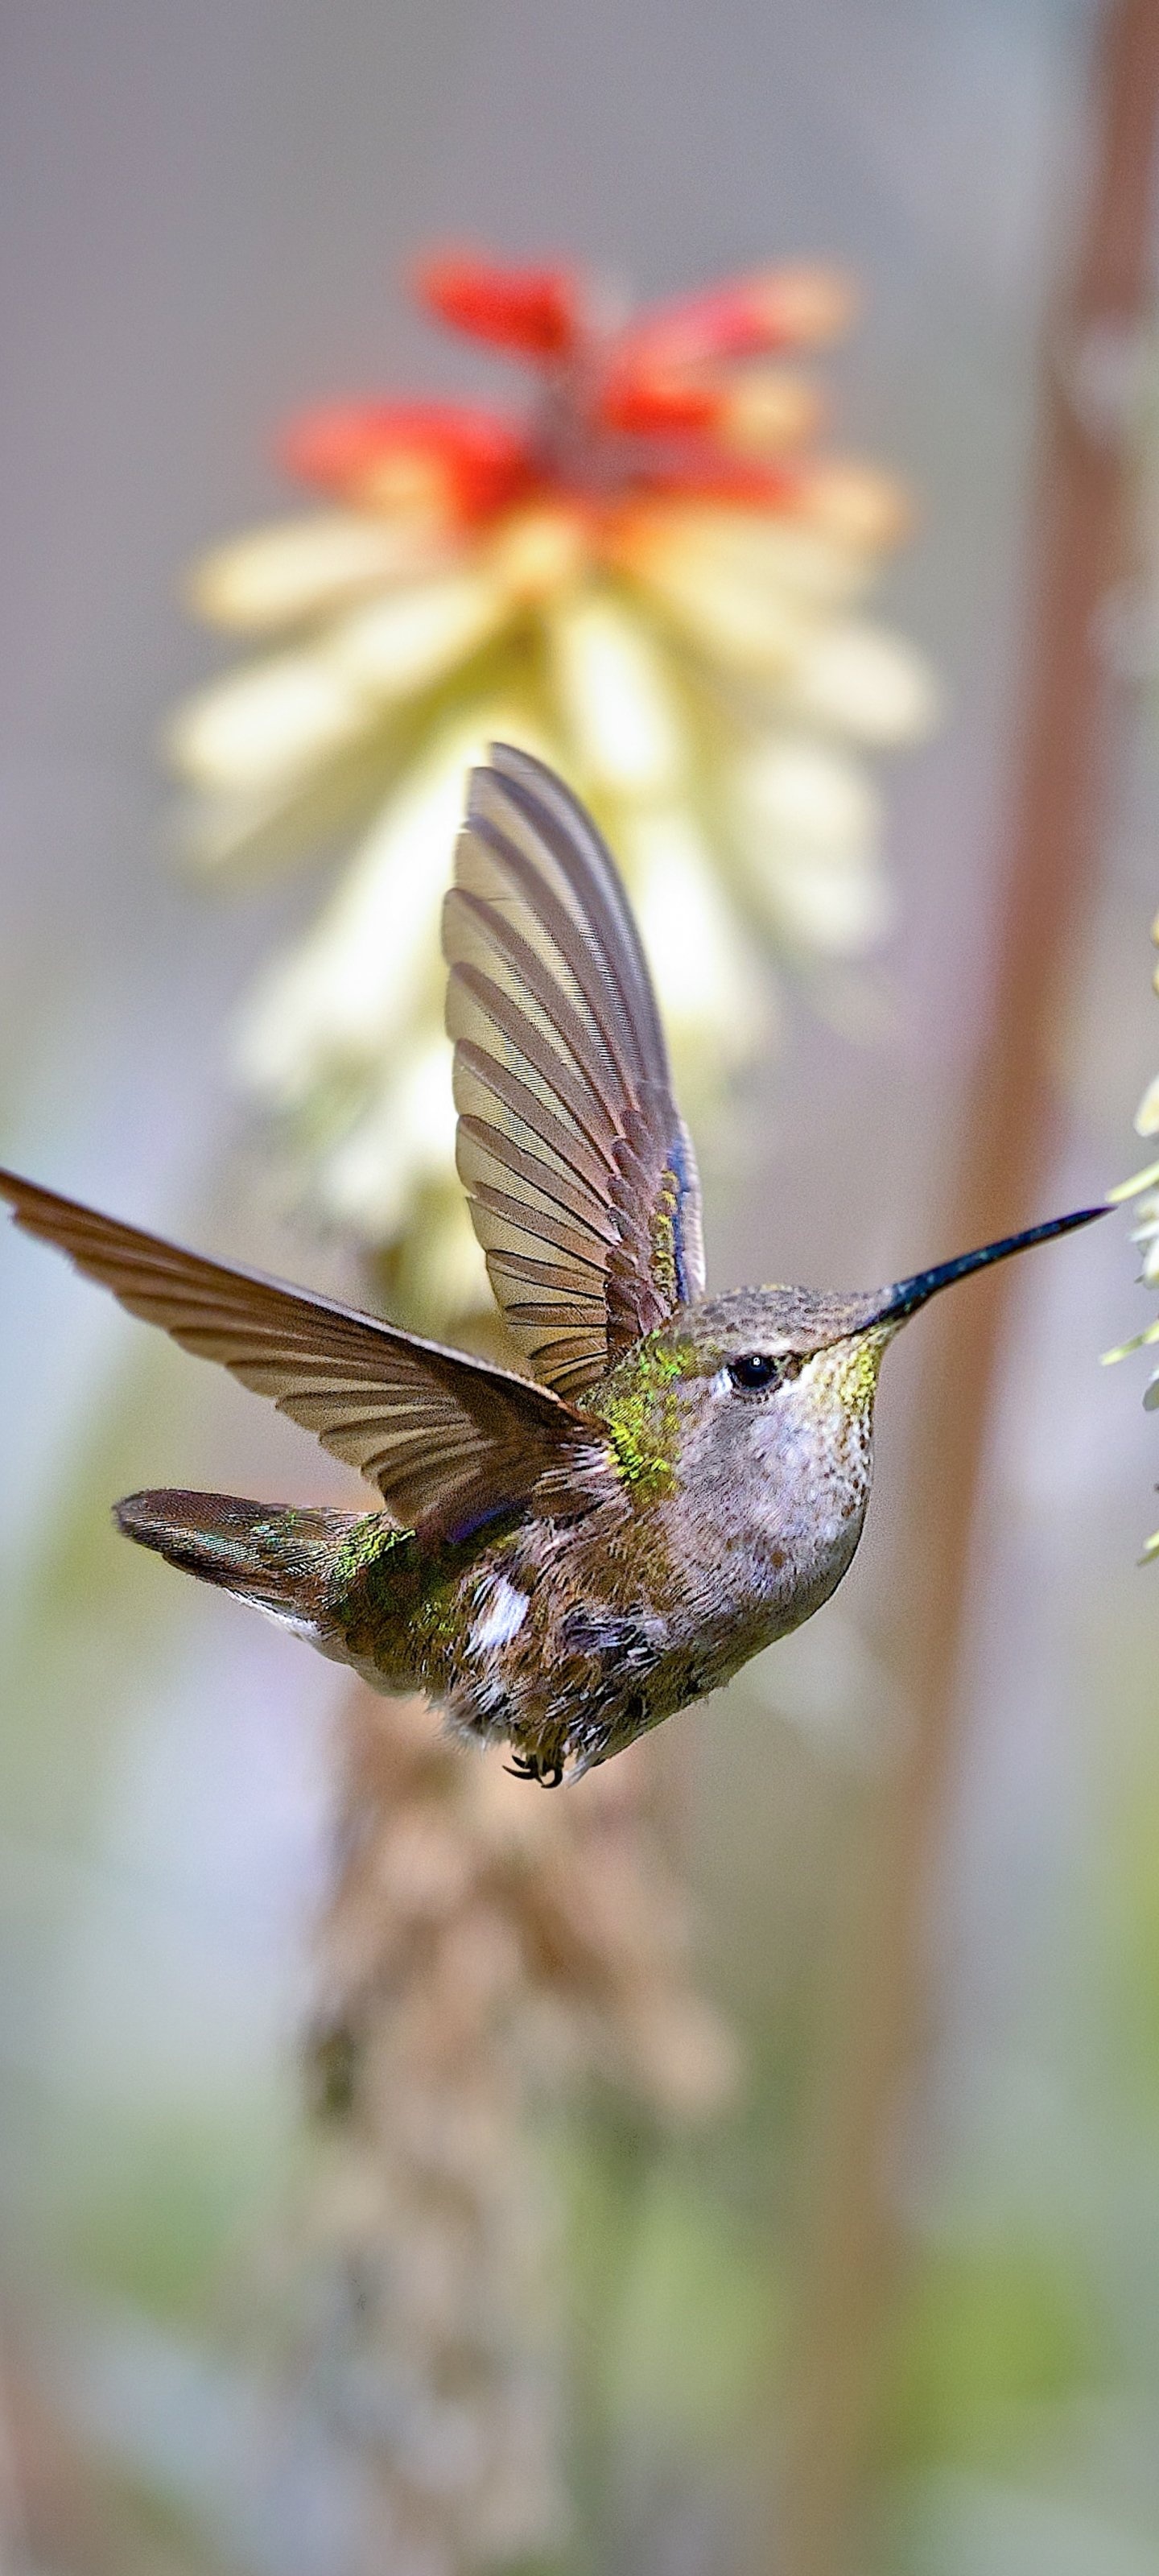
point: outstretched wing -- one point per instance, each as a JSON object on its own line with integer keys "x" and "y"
{"x": 448, "y": 1441}
{"x": 577, "y": 1164}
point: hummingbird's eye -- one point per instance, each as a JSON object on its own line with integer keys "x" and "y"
{"x": 755, "y": 1370}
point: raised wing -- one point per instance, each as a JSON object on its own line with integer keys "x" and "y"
{"x": 577, "y": 1164}
{"x": 448, "y": 1441}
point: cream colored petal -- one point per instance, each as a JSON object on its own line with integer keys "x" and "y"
{"x": 1138, "y": 1342}
{"x": 331, "y": 1008}
{"x": 268, "y": 724}
{"x": 272, "y": 825}
{"x": 442, "y": 1271}
{"x": 751, "y": 593}
{"x": 1129, "y": 1189}
{"x": 539, "y": 552}
{"x": 688, "y": 545}
{"x": 1146, "y": 1234}
{"x": 301, "y": 567}
{"x": 710, "y": 996}
{"x": 343, "y": 1001}
{"x": 865, "y": 682}
{"x": 805, "y": 824}
{"x": 806, "y": 796}
{"x": 405, "y": 642}
{"x": 746, "y": 625}
{"x": 857, "y": 505}
{"x": 771, "y": 407}
{"x": 839, "y": 910}
{"x": 405, "y": 1137}
{"x": 615, "y": 697}
{"x": 1147, "y": 1113}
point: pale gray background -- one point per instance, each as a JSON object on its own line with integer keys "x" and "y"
{"x": 205, "y": 210}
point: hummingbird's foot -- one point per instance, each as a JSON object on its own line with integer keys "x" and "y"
{"x": 528, "y": 1766}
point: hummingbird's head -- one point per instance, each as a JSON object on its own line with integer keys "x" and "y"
{"x": 756, "y": 1408}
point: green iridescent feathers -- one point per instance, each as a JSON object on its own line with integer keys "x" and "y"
{"x": 577, "y": 1164}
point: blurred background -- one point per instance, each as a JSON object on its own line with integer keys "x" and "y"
{"x": 207, "y": 213}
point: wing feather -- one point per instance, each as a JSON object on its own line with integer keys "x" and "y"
{"x": 449, "y": 1441}
{"x": 578, "y": 1167}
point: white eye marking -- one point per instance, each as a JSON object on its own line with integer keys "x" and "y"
{"x": 501, "y": 1620}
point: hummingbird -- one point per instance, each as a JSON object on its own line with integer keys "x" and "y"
{"x": 561, "y": 1560}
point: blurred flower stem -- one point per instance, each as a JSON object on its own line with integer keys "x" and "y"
{"x": 855, "y": 2250}
{"x": 481, "y": 1951}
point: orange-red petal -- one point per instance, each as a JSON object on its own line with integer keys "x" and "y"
{"x": 648, "y": 404}
{"x": 445, "y": 461}
{"x": 750, "y": 408}
{"x": 702, "y": 472}
{"x": 746, "y": 317}
{"x": 536, "y": 312}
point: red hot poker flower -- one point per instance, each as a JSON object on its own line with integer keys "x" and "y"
{"x": 647, "y": 573}
{"x": 664, "y": 405}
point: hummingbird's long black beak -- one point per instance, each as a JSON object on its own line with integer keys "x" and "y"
{"x": 909, "y": 1294}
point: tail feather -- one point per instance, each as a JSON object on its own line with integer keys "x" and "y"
{"x": 279, "y": 1559}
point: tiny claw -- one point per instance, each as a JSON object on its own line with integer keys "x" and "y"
{"x": 527, "y": 1766}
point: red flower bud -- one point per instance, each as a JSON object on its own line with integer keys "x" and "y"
{"x": 650, "y": 405}
{"x": 533, "y": 311}
{"x": 446, "y": 459}
{"x": 701, "y": 472}
{"x": 748, "y": 317}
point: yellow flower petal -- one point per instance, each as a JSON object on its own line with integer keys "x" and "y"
{"x": 346, "y": 999}
{"x": 406, "y": 1136}
{"x": 806, "y": 796}
{"x": 615, "y": 697}
{"x": 1147, "y": 1113}
{"x": 751, "y": 592}
{"x": 1144, "y": 1180}
{"x": 865, "y": 682}
{"x": 806, "y": 827}
{"x": 688, "y": 543}
{"x": 540, "y": 552}
{"x": 770, "y": 407}
{"x": 300, "y": 567}
{"x": 857, "y": 505}
{"x": 1138, "y": 1342}
{"x": 439, "y": 1267}
{"x": 710, "y": 998}
{"x": 263, "y": 827}
{"x": 269, "y": 723}
{"x": 732, "y": 619}
{"x": 838, "y": 910}
{"x": 412, "y": 638}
